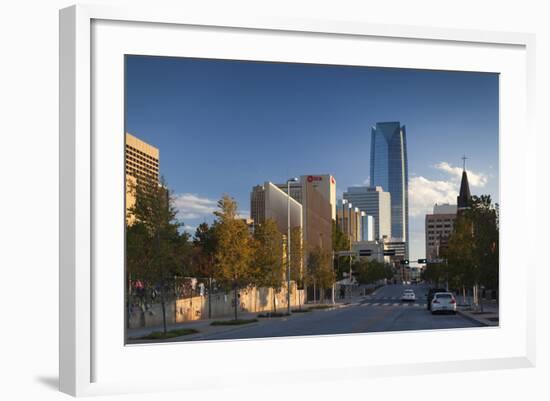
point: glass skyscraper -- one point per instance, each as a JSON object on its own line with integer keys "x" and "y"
{"x": 389, "y": 170}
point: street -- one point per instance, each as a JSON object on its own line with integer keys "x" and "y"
{"x": 379, "y": 312}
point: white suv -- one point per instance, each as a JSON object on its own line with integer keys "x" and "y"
{"x": 443, "y": 302}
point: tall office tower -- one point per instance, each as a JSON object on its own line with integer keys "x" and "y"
{"x": 142, "y": 167}
{"x": 374, "y": 202}
{"x": 257, "y": 204}
{"x": 389, "y": 169}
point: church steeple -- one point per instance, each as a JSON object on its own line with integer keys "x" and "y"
{"x": 463, "y": 198}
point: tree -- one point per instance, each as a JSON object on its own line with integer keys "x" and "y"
{"x": 297, "y": 246}
{"x": 234, "y": 250}
{"x": 268, "y": 257}
{"x": 340, "y": 242}
{"x": 371, "y": 271}
{"x": 319, "y": 269}
{"x": 204, "y": 247}
{"x": 472, "y": 251}
{"x": 156, "y": 250}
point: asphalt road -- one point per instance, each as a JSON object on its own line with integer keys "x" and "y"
{"x": 381, "y": 311}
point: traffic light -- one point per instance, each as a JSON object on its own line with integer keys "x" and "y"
{"x": 404, "y": 262}
{"x": 422, "y": 261}
{"x": 365, "y": 252}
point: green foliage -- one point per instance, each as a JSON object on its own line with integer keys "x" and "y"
{"x": 268, "y": 255}
{"x": 340, "y": 241}
{"x": 159, "y": 335}
{"x": 297, "y": 256}
{"x": 234, "y": 252}
{"x": 472, "y": 253}
{"x": 203, "y": 255}
{"x": 155, "y": 248}
{"x": 272, "y": 314}
{"x": 371, "y": 271}
{"x": 234, "y": 247}
{"x": 319, "y": 268}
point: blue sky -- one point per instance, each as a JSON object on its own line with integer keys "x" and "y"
{"x": 225, "y": 126}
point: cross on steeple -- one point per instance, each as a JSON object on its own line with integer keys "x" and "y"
{"x": 464, "y": 162}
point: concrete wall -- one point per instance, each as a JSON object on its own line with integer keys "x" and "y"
{"x": 196, "y": 308}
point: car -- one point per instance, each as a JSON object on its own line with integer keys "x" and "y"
{"x": 408, "y": 296}
{"x": 430, "y": 296}
{"x": 443, "y": 302}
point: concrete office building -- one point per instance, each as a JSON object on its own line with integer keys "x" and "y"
{"x": 269, "y": 202}
{"x": 317, "y": 194}
{"x": 325, "y": 184}
{"x": 318, "y": 212}
{"x": 355, "y": 223}
{"x": 349, "y": 220}
{"x": 374, "y": 248}
{"x": 141, "y": 164}
{"x": 438, "y": 228}
{"x": 444, "y": 208}
{"x": 367, "y": 227}
{"x": 375, "y": 202}
{"x": 389, "y": 170}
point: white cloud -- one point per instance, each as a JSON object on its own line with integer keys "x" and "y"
{"x": 243, "y": 214}
{"x": 424, "y": 193}
{"x": 474, "y": 179}
{"x": 192, "y": 206}
{"x": 189, "y": 229}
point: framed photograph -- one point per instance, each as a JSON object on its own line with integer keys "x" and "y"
{"x": 286, "y": 193}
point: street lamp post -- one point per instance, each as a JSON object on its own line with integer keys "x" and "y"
{"x": 294, "y": 179}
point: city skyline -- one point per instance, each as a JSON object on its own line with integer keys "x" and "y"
{"x": 170, "y": 106}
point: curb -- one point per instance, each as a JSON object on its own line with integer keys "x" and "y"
{"x": 474, "y": 319}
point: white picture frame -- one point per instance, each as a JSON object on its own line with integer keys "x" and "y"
{"x": 90, "y": 356}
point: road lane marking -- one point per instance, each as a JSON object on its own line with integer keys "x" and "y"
{"x": 375, "y": 304}
{"x": 386, "y": 304}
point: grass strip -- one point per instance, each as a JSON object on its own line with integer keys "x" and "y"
{"x": 320, "y": 306}
{"x": 232, "y": 322}
{"x": 159, "y": 335}
{"x": 273, "y": 314}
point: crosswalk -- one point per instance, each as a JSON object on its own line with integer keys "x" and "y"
{"x": 394, "y": 304}
{"x": 383, "y": 298}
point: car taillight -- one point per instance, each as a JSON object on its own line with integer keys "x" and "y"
{"x": 435, "y": 301}
{"x": 453, "y": 301}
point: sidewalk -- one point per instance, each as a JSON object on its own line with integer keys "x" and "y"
{"x": 204, "y": 326}
{"x": 489, "y": 316}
